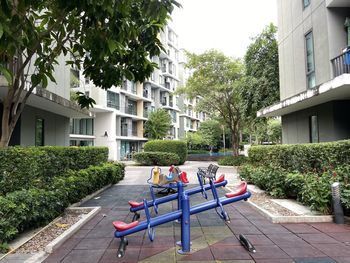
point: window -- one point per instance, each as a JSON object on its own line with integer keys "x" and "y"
{"x": 314, "y": 138}
{"x": 82, "y": 126}
{"x": 310, "y": 61}
{"x": 113, "y": 100}
{"x": 39, "y": 132}
{"x": 306, "y": 3}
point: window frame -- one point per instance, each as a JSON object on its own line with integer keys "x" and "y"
{"x": 42, "y": 141}
{"x": 313, "y": 71}
{"x": 306, "y": 5}
{"x": 312, "y": 139}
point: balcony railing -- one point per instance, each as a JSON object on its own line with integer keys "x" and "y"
{"x": 341, "y": 64}
{"x": 129, "y": 87}
{"x": 134, "y": 132}
{"x": 130, "y": 110}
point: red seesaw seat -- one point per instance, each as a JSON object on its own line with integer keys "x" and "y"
{"x": 134, "y": 204}
{"x": 183, "y": 177}
{"x": 122, "y": 226}
{"x": 220, "y": 179}
{"x": 241, "y": 189}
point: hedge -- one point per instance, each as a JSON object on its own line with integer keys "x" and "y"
{"x": 22, "y": 168}
{"x": 232, "y": 160}
{"x": 24, "y": 209}
{"x": 302, "y": 157}
{"x": 178, "y": 147}
{"x": 156, "y": 158}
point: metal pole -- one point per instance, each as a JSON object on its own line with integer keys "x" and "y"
{"x": 185, "y": 226}
{"x": 337, "y": 208}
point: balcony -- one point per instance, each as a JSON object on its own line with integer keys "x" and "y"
{"x": 341, "y": 64}
{"x": 338, "y": 3}
{"x": 163, "y": 101}
{"x": 129, "y": 87}
{"x": 124, "y": 131}
{"x": 134, "y": 131}
{"x": 130, "y": 110}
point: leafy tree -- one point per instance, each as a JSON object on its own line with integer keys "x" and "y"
{"x": 158, "y": 124}
{"x": 111, "y": 39}
{"x": 211, "y": 132}
{"x": 195, "y": 141}
{"x": 260, "y": 85}
{"x": 216, "y": 79}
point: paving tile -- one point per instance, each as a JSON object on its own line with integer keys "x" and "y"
{"x": 200, "y": 255}
{"x": 317, "y": 238}
{"x": 147, "y": 252}
{"x": 229, "y": 252}
{"x": 301, "y": 228}
{"x": 161, "y": 241}
{"x": 83, "y": 256}
{"x": 287, "y": 240}
{"x": 229, "y": 241}
{"x": 81, "y": 233}
{"x": 334, "y": 250}
{"x": 57, "y": 255}
{"x": 342, "y": 237}
{"x": 331, "y": 227}
{"x": 240, "y": 222}
{"x": 133, "y": 241}
{"x": 110, "y": 256}
{"x": 342, "y": 259}
{"x": 94, "y": 243}
{"x": 307, "y": 251}
{"x": 261, "y": 222}
{"x": 278, "y": 260}
{"x": 269, "y": 252}
{"x": 245, "y": 230}
{"x": 275, "y": 229}
{"x": 71, "y": 243}
{"x": 314, "y": 260}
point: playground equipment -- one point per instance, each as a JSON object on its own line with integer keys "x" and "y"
{"x": 137, "y": 206}
{"x": 166, "y": 182}
{"x": 183, "y": 214}
{"x": 206, "y": 172}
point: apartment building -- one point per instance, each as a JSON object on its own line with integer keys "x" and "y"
{"x": 314, "y": 60}
{"x": 122, "y": 111}
{"x": 190, "y": 119}
{"x": 45, "y": 119}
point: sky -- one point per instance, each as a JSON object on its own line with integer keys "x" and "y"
{"x": 225, "y": 25}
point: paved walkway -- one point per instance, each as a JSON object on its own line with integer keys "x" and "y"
{"x": 213, "y": 240}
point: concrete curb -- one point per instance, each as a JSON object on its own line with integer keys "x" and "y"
{"x": 53, "y": 245}
{"x": 291, "y": 219}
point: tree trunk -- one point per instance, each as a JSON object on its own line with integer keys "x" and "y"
{"x": 235, "y": 140}
{"x": 5, "y": 127}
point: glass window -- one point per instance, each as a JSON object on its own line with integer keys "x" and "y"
{"x": 39, "y": 132}
{"x": 306, "y": 3}
{"x": 314, "y": 138}
{"x": 113, "y": 100}
{"x": 310, "y": 61}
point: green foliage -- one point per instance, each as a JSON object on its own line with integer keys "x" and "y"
{"x": 158, "y": 124}
{"x": 25, "y": 209}
{"x": 302, "y": 157}
{"x": 261, "y": 83}
{"x": 178, "y": 147}
{"x": 22, "y": 168}
{"x": 195, "y": 141}
{"x": 216, "y": 78}
{"x": 303, "y": 171}
{"x": 156, "y": 158}
{"x": 233, "y": 160}
{"x": 198, "y": 152}
{"x": 210, "y": 131}
{"x": 119, "y": 37}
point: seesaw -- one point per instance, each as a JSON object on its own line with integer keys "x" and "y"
{"x": 124, "y": 229}
{"x": 137, "y": 206}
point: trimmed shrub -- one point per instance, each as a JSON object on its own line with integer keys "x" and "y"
{"x": 156, "y": 158}
{"x": 22, "y": 168}
{"x": 178, "y": 147}
{"x": 233, "y": 160}
{"x": 302, "y": 157}
{"x": 21, "y": 210}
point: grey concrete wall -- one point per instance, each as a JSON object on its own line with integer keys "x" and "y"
{"x": 329, "y": 35}
{"x": 56, "y": 127}
{"x": 333, "y": 122}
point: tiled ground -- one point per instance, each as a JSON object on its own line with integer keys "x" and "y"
{"x": 213, "y": 240}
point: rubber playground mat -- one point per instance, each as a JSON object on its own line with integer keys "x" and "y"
{"x": 213, "y": 240}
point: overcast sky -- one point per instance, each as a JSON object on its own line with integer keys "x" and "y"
{"x": 226, "y": 25}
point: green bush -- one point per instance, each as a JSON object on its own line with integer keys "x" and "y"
{"x": 156, "y": 158}
{"x": 198, "y": 151}
{"x": 294, "y": 182}
{"x": 24, "y": 209}
{"x": 22, "y": 168}
{"x": 178, "y": 147}
{"x": 233, "y": 160}
{"x": 302, "y": 157}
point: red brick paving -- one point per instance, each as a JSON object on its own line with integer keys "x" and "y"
{"x": 275, "y": 243}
